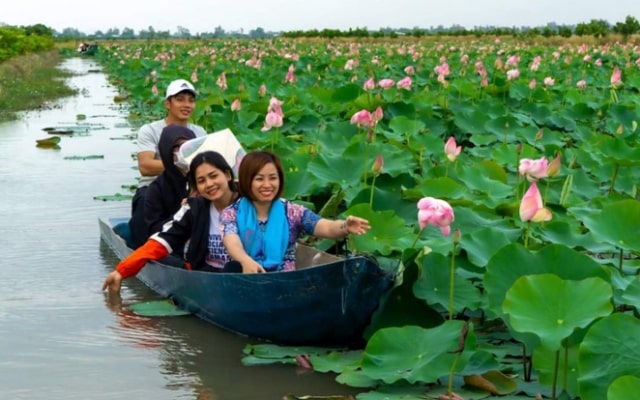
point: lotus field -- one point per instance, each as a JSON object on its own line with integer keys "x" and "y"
{"x": 500, "y": 179}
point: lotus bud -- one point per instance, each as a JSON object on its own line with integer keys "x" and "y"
{"x": 553, "y": 169}
{"x": 456, "y": 236}
{"x": 378, "y": 164}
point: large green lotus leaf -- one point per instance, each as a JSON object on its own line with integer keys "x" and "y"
{"x": 335, "y": 361}
{"x": 504, "y": 127}
{"x": 580, "y": 111}
{"x": 631, "y": 294}
{"x": 493, "y": 191}
{"x": 481, "y": 361}
{"x": 544, "y": 364}
{"x": 396, "y": 392}
{"x": 399, "y": 307}
{"x": 623, "y": 387}
{"x": 552, "y": 308}
{"x": 355, "y": 378}
{"x": 624, "y": 114}
{"x": 388, "y": 232}
{"x": 415, "y": 354}
{"x": 585, "y": 185}
{"x": 345, "y": 169}
{"x": 406, "y": 126}
{"x": 388, "y": 195}
{"x": 346, "y": 93}
{"x": 513, "y": 261}
{"x": 472, "y": 123}
{"x": 298, "y": 181}
{"x": 609, "y": 350}
{"x": 561, "y": 122}
{"x": 434, "y": 282}
{"x": 157, "y": 308}
{"x": 396, "y": 160}
{"x": 442, "y": 188}
{"x": 335, "y": 138}
{"x": 482, "y": 244}
{"x": 617, "y": 224}
{"x": 617, "y": 150}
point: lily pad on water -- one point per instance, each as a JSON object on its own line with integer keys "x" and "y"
{"x": 50, "y": 142}
{"x": 114, "y": 197}
{"x": 91, "y": 157}
{"x": 157, "y": 308}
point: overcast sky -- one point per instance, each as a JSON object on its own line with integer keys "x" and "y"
{"x": 89, "y": 16}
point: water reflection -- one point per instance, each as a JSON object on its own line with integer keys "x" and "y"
{"x": 205, "y": 358}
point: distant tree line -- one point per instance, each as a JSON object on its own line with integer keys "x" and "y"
{"x": 597, "y": 28}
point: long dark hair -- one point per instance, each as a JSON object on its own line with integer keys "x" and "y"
{"x": 214, "y": 159}
{"x": 251, "y": 164}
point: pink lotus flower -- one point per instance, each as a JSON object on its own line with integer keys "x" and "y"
{"x": 549, "y": 81}
{"x": 194, "y": 76}
{"x": 532, "y": 84}
{"x": 531, "y": 207}
{"x": 275, "y": 106}
{"x": 222, "y": 81}
{"x": 404, "y": 83}
{"x": 513, "y": 74}
{"x": 451, "y": 149}
{"x": 616, "y": 77}
{"x": 386, "y": 83}
{"x": 362, "y": 118}
{"x": 272, "y": 120}
{"x": 435, "y": 212}
{"x": 235, "y": 106}
{"x": 533, "y": 169}
{"x": 409, "y": 70}
{"x": 369, "y": 85}
{"x": 154, "y": 90}
{"x": 377, "y": 115}
{"x": 262, "y": 90}
{"x": 290, "y": 77}
{"x": 581, "y": 84}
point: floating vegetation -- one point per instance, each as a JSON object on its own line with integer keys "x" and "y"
{"x": 81, "y": 117}
{"x": 91, "y": 157}
{"x": 113, "y": 197}
{"x": 50, "y": 141}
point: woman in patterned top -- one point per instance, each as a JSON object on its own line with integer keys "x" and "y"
{"x": 260, "y": 230}
{"x": 197, "y": 223}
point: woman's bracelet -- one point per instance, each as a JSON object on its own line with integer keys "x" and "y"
{"x": 343, "y": 227}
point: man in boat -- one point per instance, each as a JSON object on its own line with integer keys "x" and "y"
{"x": 180, "y": 101}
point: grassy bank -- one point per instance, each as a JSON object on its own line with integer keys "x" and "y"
{"x": 31, "y": 82}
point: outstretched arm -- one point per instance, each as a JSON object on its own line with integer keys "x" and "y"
{"x": 335, "y": 229}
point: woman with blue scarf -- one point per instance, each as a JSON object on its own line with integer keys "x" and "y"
{"x": 260, "y": 230}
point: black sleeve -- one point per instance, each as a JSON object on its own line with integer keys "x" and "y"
{"x": 154, "y": 209}
{"x": 177, "y": 231}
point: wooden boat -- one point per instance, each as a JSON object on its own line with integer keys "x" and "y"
{"x": 328, "y": 301}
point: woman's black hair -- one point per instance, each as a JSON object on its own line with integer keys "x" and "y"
{"x": 212, "y": 158}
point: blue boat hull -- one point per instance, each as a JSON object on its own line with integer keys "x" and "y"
{"x": 329, "y": 304}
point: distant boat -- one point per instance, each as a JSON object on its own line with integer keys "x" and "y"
{"x": 327, "y": 301}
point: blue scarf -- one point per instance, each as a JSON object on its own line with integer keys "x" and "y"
{"x": 266, "y": 245}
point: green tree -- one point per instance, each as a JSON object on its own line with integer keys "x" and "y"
{"x": 628, "y": 27}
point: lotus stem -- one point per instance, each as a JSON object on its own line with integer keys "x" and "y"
{"x": 373, "y": 185}
{"x": 451, "y": 277}
{"x": 554, "y": 385}
{"x": 620, "y": 261}
{"x": 566, "y": 369}
{"x": 526, "y": 235}
{"x": 613, "y": 177}
{"x": 415, "y": 241}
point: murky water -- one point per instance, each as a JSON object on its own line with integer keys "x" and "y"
{"x": 59, "y": 337}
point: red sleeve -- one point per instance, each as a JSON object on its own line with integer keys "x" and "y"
{"x": 151, "y": 250}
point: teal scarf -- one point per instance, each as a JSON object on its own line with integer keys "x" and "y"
{"x": 267, "y": 244}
